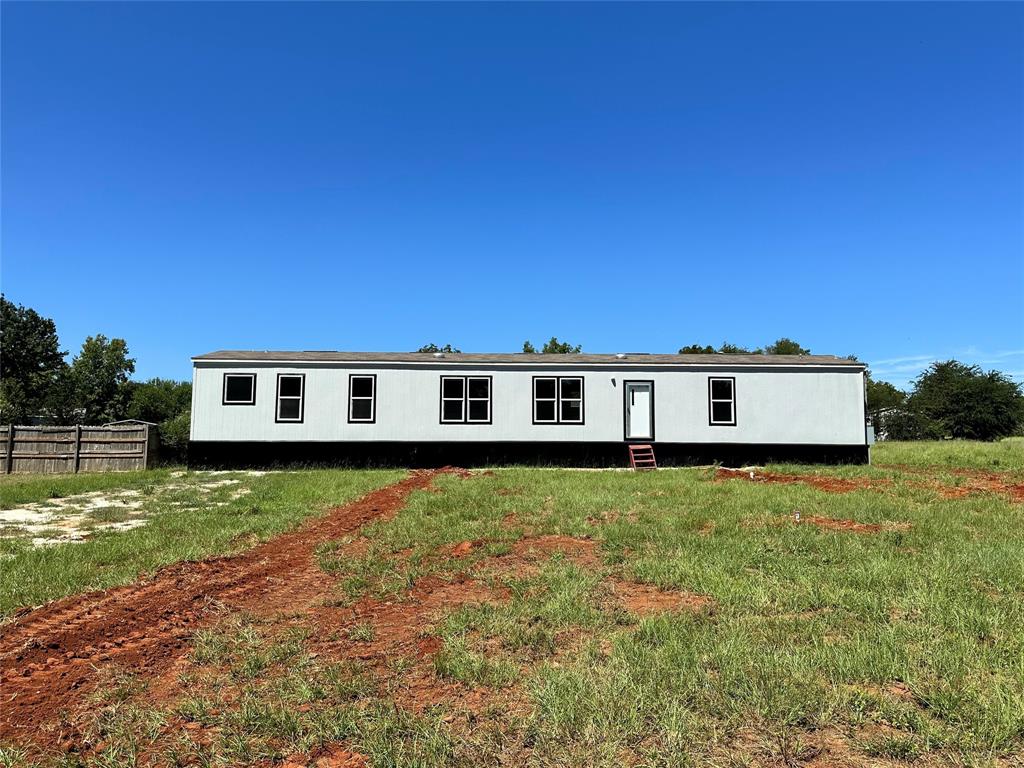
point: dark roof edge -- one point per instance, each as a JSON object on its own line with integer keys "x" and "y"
{"x": 519, "y": 358}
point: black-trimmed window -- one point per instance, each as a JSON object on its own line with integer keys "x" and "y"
{"x": 362, "y": 398}
{"x": 557, "y": 399}
{"x": 291, "y": 392}
{"x": 722, "y": 402}
{"x": 465, "y": 399}
{"x": 239, "y": 389}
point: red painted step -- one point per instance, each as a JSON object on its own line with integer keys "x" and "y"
{"x": 642, "y": 457}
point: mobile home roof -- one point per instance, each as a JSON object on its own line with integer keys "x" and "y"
{"x": 522, "y": 358}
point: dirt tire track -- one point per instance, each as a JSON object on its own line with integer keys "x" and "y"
{"x": 51, "y": 656}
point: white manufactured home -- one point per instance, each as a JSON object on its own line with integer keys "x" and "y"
{"x": 423, "y": 408}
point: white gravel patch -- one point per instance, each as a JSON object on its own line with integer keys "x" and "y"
{"x": 70, "y": 519}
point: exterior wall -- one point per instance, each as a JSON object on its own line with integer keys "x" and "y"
{"x": 793, "y": 405}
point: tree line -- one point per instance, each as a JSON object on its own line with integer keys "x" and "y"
{"x": 38, "y": 385}
{"x": 551, "y": 347}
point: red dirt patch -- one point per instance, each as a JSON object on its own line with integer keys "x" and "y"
{"x": 550, "y": 543}
{"x": 648, "y": 600}
{"x": 832, "y": 524}
{"x": 534, "y": 548}
{"x": 401, "y": 630}
{"x": 980, "y": 481}
{"x": 900, "y": 691}
{"x": 821, "y": 482}
{"x": 428, "y": 646}
{"x": 467, "y": 473}
{"x": 463, "y": 548}
{"x": 54, "y": 655}
{"x": 973, "y": 481}
{"x": 526, "y": 556}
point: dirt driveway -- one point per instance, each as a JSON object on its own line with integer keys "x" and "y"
{"x": 52, "y": 657}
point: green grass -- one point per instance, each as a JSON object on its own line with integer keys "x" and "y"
{"x": 1002, "y": 455}
{"x": 458, "y": 661}
{"x": 111, "y": 514}
{"x": 183, "y": 525}
{"x": 261, "y": 697}
{"x": 904, "y": 646}
{"x": 16, "y": 490}
{"x": 808, "y": 627}
{"x": 362, "y": 632}
{"x": 12, "y": 757}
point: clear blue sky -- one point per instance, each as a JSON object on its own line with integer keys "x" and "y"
{"x": 629, "y": 177}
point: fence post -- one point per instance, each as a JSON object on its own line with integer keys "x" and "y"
{"x": 10, "y": 450}
{"x": 78, "y": 446}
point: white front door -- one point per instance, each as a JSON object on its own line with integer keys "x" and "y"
{"x": 639, "y": 410}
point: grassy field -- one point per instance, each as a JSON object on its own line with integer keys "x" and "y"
{"x": 1005, "y": 454}
{"x": 188, "y": 515}
{"x": 606, "y": 618}
{"x": 904, "y": 644}
{"x": 27, "y": 489}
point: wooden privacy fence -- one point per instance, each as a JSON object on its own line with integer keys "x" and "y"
{"x": 77, "y": 449}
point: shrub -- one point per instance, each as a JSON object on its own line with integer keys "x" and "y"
{"x": 174, "y": 435}
{"x": 905, "y": 424}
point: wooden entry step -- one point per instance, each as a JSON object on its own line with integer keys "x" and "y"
{"x": 642, "y": 457}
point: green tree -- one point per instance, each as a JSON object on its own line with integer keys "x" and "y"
{"x": 904, "y": 424}
{"x": 158, "y": 400}
{"x": 882, "y": 396}
{"x": 435, "y": 348}
{"x": 733, "y": 349}
{"x": 62, "y": 402}
{"x": 952, "y": 399}
{"x": 885, "y": 404}
{"x": 553, "y": 347}
{"x": 725, "y": 349}
{"x": 785, "y": 346}
{"x": 100, "y": 374}
{"x": 30, "y": 361}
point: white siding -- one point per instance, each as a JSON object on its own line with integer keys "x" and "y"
{"x": 791, "y": 406}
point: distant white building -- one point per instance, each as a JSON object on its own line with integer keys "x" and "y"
{"x": 427, "y": 408}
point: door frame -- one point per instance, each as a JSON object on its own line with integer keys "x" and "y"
{"x": 625, "y": 411}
